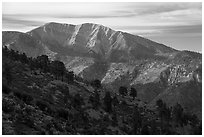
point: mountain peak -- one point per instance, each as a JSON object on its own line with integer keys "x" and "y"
{"x": 96, "y": 40}
{"x": 66, "y": 24}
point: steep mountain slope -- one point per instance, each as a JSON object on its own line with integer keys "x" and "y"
{"x": 34, "y": 101}
{"x": 85, "y": 40}
{"x": 22, "y": 42}
{"x": 116, "y": 58}
{"x": 96, "y": 41}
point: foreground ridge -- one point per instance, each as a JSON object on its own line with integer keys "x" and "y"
{"x": 41, "y": 97}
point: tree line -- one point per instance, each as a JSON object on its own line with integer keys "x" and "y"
{"x": 56, "y": 67}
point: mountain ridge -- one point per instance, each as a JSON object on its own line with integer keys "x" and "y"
{"x": 117, "y": 59}
{"x": 93, "y": 37}
{"x": 35, "y": 100}
{"x": 98, "y": 25}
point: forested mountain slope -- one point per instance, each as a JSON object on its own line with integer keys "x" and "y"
{"x": 40, "y": 96}
{"x": 116, "y": 59}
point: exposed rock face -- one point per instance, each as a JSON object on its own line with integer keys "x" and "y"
{"x": 117, "y": 59}
{"x": 97, "y": 41}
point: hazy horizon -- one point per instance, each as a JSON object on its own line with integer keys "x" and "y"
{"x": 178, "y": 25}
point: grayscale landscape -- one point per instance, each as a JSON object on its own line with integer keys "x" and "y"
{"x": 87, "y": 78}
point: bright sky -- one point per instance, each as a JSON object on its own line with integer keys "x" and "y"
{"x": 178, "y": 25}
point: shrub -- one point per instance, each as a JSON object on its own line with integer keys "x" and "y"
{"x": 7, "y": 105}
{"x": 42, "y": 105}
{"x": 133, "y": 92}
{"x": 6, "y": 89}
{"x": 96, "y": 83}
{"x": 123, "y": 91}
{"x": 24, "y": 97}
{"x": 108, "y": 102}
{"x": 62, "y": 113}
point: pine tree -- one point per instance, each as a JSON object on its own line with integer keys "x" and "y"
{"x": 133, "y": 92}
{"x": 123, "y": 91}
{"x": 58, "y": 69}
{"x": 69, "y": 76}
{"x": 7, "y": 72}
{"x": 114, "y": 119}
{"x": 96, "y": 83}
{"x": 43, "y": 62}
{"x": 95, "y": 100}
{"x": 66, "y": 96}
{"x": 78, "y": 101}
{"x": 108, "y": 102}
{"x": 145, "y": 130}
{"x": 115, "y": 101}
{"x": 136, "y": 117}
{"x": 178, "y": 113}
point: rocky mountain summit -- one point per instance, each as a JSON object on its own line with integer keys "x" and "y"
{"x": 117, "y": 59}
{"x": 90, "y": 40}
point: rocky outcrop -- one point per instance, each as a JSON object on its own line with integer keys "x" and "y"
{"x": 117, "y": 59}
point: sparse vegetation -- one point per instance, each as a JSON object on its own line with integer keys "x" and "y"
{"x": 40, "y": 100}
{"x": 123, "y": 91}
